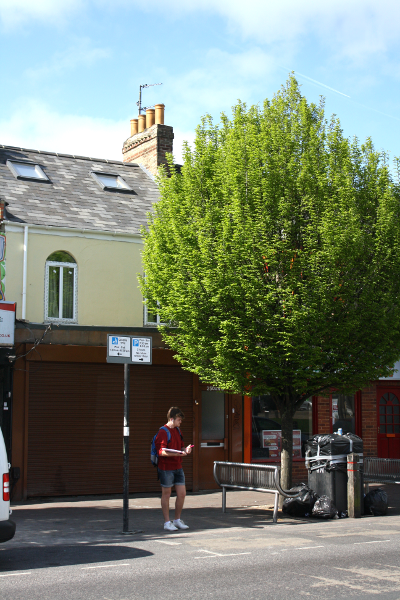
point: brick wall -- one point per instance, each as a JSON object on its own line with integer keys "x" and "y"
{"x": 149, "y": 147}
{"x": 369, "y": 428}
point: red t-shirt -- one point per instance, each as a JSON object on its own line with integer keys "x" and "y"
{"x": 170, "y": 463}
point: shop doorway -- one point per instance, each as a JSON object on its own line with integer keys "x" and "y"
{"x": 220, "y": 432}
{"x": 388, "y": 416}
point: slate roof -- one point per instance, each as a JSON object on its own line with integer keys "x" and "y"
{"x": 73, "y": 198}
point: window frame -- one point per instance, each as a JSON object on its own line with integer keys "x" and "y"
{"x": 273, "y": 460}
{"x": 74, "y": 266}
{"x": 125, "y": 187}
{"x": 357, "y": 412}
{"x": 146, "y": 322}
{"x": 41, "y": 174}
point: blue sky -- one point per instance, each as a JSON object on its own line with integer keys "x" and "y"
{"x": 71, "y": 69}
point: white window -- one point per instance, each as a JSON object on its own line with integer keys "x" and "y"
{"x": 25, "y": 170}
{"x": 110, "y": 181}
{"x": 151, "y": 318}
{"x": 61, "y": 288}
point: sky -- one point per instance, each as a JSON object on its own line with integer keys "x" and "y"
{"x": 71, "y": 69}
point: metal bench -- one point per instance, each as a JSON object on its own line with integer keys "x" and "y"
{"x": 257, "y": 478}
{"x": 381, "y": 470}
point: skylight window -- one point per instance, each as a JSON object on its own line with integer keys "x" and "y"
{"x": 25, "y": 170}
{"x": 110, "y": 181}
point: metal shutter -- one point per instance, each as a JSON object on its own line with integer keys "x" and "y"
{"x": 75, "y": 426}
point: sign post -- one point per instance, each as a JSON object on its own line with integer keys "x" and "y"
{"x": 128, "y": 350}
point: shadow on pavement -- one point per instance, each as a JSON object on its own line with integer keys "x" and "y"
{"x": 62, "y": 555}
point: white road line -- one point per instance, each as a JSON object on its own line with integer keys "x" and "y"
{"x": 309, "y": 547}
{"x": 107, "y": 566}
{"x": 374, "y": 542}
{"x": 15, "y": 574}
{"x": 169, "y": 543}
{"x": 216, "y": 554}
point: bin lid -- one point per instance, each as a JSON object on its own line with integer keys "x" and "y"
{"x": 332, "y": 444}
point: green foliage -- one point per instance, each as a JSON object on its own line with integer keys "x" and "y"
{"x": 276, "y": 253}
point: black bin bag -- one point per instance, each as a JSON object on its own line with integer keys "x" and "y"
{"x": 302, "y": 505}
{"x": 325, "y": 509}
{"x": 376, "y": 503}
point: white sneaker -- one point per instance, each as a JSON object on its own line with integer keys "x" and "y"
{"x": 179, "y": 524}
{"x": 170, "y": 526}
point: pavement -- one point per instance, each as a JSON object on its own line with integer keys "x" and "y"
{"x": 72, "y": 548}
{"x": 83, "y": 520}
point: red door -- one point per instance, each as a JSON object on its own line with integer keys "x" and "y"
{"x": 388, "y": 406}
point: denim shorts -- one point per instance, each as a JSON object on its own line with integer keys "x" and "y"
{"x": 170, "y": 478}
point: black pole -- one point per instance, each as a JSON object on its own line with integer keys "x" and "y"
{"x": 125, "y": 514}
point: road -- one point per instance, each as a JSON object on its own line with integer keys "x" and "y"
{"x": 241, "y": 555}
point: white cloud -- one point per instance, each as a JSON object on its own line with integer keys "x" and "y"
{"x": 35, "y": 125}
{"x": 14, "y": 12}
{"x": 179, "y": 138}
{"x": 355, "y": 29}
{"x": 80, "y": 54}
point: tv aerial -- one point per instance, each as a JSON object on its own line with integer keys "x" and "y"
{"x": 139, "y": 103}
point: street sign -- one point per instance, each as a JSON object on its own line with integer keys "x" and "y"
{"x": 128, "y": 349}
{"x": 141, "y": 350}
{"x": 119, "y": 349}
{"x": 7, "y": 323}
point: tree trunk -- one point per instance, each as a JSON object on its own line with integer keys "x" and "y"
{"x": 287, "y": 448}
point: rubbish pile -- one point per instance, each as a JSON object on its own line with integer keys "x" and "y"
{"x": 308, "y": 504}
{"x": 376, "y": 503}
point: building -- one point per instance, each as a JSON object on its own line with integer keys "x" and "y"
{"x": 71, "y": 226}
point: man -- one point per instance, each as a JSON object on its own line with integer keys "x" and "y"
{"x": 170, "y": 470}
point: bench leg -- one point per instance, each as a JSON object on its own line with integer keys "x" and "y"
{"x": 224, "y": 499}
{"x": 276, "y": 502}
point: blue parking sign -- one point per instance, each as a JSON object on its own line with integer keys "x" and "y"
{"x": 135, "y": 342}
{"x": 114, "y": 340}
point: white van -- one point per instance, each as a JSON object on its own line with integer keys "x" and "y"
{"x": 7, "y": 527}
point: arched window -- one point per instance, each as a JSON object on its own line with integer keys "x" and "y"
{"x": 61, "y": 287}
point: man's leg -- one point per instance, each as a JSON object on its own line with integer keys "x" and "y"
{"x": 180, "y": 499}
{"x": 165, "y": 496}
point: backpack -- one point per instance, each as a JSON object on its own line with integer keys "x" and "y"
{"x": 153, "y": 453}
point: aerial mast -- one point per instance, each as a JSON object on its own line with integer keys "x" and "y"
{"x": 139, "y": 103}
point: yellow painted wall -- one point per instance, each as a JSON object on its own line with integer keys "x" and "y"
{"x": 108, "y": 292}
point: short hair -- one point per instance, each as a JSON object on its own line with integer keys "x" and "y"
{"x": 175, "y": 412}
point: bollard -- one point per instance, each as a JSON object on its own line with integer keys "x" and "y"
{"x": 353, "y": 486}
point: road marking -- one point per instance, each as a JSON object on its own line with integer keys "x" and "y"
{"x": 215, "y": 554}
{"x": 169, "y": 543}
{"x": 374, "y": 542}
{"x": 309, "y": 547}
{"x": 107, "y": 566}
{"x": 15, "y": 574}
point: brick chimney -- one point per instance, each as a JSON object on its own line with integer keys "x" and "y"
{"x": 150, "y": 140}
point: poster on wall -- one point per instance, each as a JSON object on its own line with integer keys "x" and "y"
{"x": 7, "y": 323}
{"x": 272, "y": 439}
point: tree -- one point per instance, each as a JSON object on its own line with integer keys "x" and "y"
{"x": 273, "y": 258}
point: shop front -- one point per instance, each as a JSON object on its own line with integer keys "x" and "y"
{"x": 68, "y": 417}
{"x": 372, "y": 413}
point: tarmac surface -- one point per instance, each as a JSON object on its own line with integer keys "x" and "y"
{"x": 73, "y": 548}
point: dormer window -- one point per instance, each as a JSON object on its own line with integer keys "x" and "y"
{"x": 26, "y": 170}
{"x": 110, "y": 181}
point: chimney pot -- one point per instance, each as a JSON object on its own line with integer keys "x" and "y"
{"x": 134, "y": 126}
{"x": 142, "y": 123}
{"x": 149, "y": 117}
{"x": 159, "y": 110}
